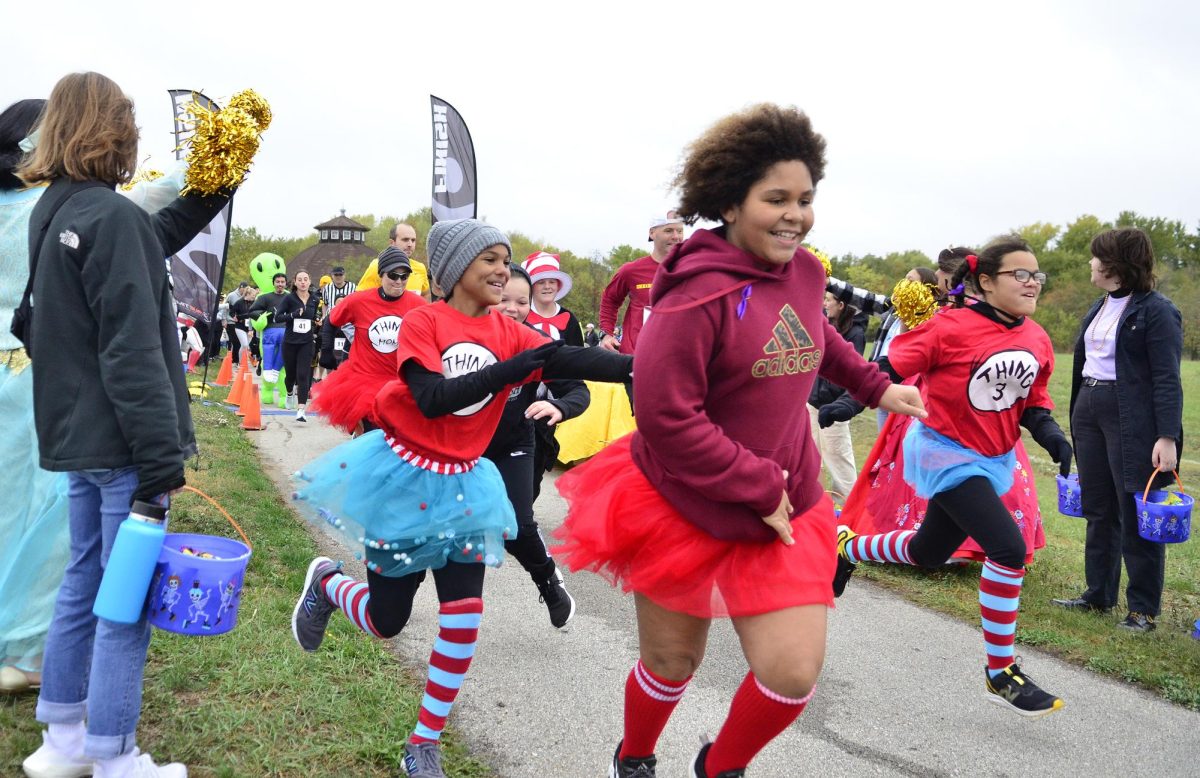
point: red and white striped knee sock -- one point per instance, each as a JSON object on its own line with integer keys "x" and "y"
{"x": 756, "y": 716}
{"x": 351, "y": 597}
{"x": 458, "y": 629}
{"x": 999, "y": 598}
{"x": 649, "y": 701}
{"x": 885, "y": 547}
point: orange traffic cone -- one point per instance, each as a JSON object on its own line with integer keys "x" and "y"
{"x": 251, "y": 410}
{"x": 248, "y": 386}
{"x": 226, "y": 371}
{"x": 239, "y": 384}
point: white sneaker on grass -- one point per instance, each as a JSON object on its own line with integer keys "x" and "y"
{"x": 49, "y": 762}
{"x": 138, "y": 765}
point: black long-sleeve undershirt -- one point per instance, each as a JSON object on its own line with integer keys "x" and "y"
{"x": 437, "y": 395}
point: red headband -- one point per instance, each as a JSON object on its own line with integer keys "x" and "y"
{"x": 972, "y": 263}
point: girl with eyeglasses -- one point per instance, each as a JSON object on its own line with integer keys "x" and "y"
{"x": 372, "y": 319}
{"x": 986, "y": 370}
{"x": 882, "y": 501}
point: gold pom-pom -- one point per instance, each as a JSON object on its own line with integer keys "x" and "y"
{"x": 224, "y": 143}
{"x": 142, "y": 175}
{"x": 254, "y": 104}
{"x": 913, "y": 302}
{"x": 823, "y": 257}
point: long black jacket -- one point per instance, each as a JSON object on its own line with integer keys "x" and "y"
{"x": 1149, "y": 389}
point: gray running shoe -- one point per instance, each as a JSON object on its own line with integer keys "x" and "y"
{"x": 423, "y": 760}
{"x": 311, "y": 615}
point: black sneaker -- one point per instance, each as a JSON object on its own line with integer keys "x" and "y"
{"x": 310, "y": 617}
{"x": 698, "y": 770}
{"x": 558, "y": 601}
{"x": 845, "y": 568}
{"x": 1019, "y": 693}
{"x": 1079, "y": 604}
{"x": 631, "y": 767}
{"x": 1138, "y": 622}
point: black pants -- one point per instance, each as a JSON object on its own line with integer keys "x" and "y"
{"x": 1112, "y": 529}
{"x": 971, "y": 509}
{"x": 235, "y": 345}
{"x": 297, "y": 361}
{"x": 392, "y": 598}
{"x": 527, "y": 547}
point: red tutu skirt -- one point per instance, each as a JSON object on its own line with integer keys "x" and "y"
{"x": 347, "y": 396}
{"x": 882, "y": 501}
{"x": 621, "y": 528}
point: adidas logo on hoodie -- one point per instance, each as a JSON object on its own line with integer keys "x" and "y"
{"x": 790, "y": 349}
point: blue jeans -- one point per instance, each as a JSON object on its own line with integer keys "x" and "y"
{"x": 93, "y": 667}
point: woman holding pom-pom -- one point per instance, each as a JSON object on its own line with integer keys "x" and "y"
{"x": 110, "y": 405}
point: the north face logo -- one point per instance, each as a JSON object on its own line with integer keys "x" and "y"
{"x": 790, "y": 349}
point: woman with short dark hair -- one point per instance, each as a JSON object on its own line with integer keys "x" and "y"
{"x": 1127, "y": 421}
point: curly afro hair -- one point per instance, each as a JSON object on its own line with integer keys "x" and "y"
{"x": 735, "y": 153}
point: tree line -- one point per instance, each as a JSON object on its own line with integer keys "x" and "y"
{"x": 1063, "y": 252}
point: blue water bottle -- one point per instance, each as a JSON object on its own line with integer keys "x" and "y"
{"x": 135, "y": 551}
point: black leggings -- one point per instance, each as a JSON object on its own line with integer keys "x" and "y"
{"x": 527, "y": 547}
{"x": 235, "y": 345}
{"x": 297, "y": 361}
{"x": 971, "y": 509}
{"x": 391, "y": 600}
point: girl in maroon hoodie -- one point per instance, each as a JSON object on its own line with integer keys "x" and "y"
{"x": 714, "y": 507}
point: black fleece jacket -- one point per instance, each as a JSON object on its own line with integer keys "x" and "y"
{"x": 108, "y": 385}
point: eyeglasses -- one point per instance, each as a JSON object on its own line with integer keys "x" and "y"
{"x": 1024, "y": 276}
{"x": 396, "y": 276}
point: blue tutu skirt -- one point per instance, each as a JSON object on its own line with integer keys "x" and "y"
{"x": 934, "y": 463}
{"x": 406, "y": 517}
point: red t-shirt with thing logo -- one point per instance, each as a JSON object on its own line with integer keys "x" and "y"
{"x": 721, "y": 376}
{"x": 444, "y": 340}
{"x": 375, "y": 323}
{"x": 979, "y": 375}
{"x": 347, "y": 396}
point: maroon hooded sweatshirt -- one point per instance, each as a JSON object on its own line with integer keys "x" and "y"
{"x": 722, "y": 373}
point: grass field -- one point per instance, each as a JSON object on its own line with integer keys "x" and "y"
{"x": 1167, "y": 661}
{"x": 251, "y": 703}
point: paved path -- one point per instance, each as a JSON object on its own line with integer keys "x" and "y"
{"x": 901, "y": 693}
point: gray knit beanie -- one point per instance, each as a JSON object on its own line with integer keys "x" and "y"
{"x": 453, "y": 246}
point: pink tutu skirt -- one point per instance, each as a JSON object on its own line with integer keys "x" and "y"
{"x": 621, "y": 528}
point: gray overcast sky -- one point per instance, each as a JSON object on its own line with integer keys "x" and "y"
{"x": 946, "y": 121}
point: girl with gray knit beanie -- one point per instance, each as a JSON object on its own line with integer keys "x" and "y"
{"x": 433, "y": 503}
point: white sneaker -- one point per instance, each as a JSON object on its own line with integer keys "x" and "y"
{"x": 142, "y": 766}
{"x": 300, "y": 415}
{"x": 291, "y": 401}
{"x": 49, "y": 762}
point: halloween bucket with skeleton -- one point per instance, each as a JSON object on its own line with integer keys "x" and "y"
{"x": 197, "y": 585}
